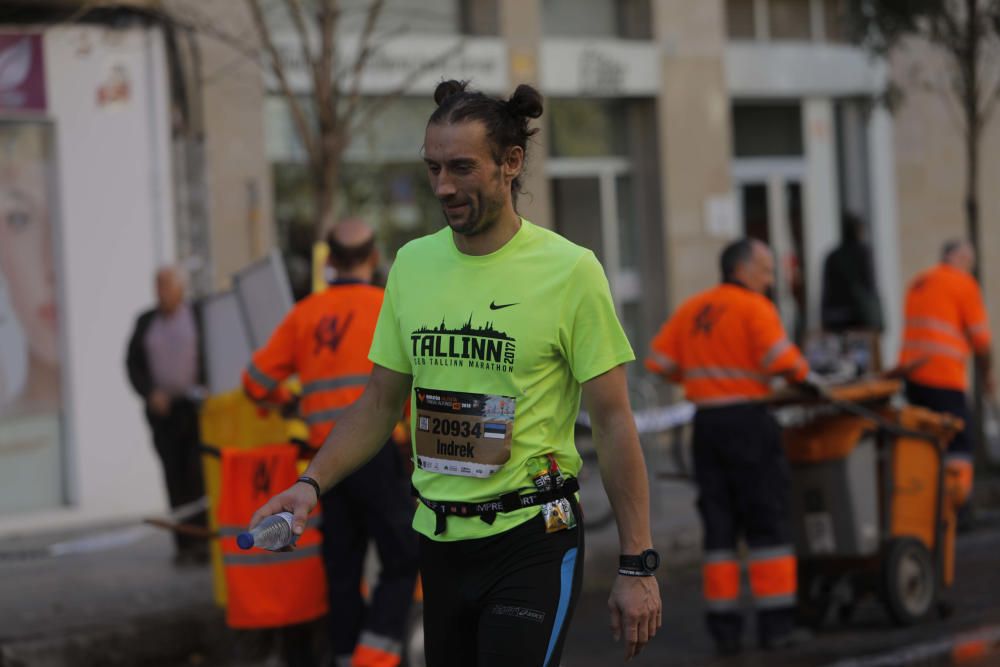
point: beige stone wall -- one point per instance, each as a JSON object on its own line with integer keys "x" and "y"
{"x": 521, "y": 28}
{"x": 930, "y": 172}
{"x": 694, "y": 134}
{"x": 240, "y": 192}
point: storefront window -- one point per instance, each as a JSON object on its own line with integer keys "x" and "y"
{"x": 587, "y": 128}
{"x": 31, "y": 460}
{"x": 394, "y": 197}
{"x": 383, "y": 179}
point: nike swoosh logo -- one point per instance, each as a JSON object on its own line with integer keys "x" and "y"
{"x": 495, "y": 306}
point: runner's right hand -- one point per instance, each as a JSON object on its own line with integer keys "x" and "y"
{"x": 299, "y": 499}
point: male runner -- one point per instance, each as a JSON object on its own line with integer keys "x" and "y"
{"x": 494, "y": 327}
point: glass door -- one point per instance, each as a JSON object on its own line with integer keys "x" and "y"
{"x": 593, "y": 202}
{"x": 769, "y": 201}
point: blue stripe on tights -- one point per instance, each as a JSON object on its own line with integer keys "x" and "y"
{"x": 565, "y": 591}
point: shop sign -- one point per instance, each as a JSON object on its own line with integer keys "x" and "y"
{"x": 22, "y": 72}
{"x": 605, "y": 68}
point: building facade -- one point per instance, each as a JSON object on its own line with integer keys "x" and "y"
{"x": 671, "y": 127}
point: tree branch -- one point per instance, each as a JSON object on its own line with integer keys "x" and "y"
{"x": 295, "y": 10}
{"x": 364, "y": 53}
{"x": 325, "y": 90}
{"x": 278, "y": 68}
{"x": 372, "y": 111}
{"x": 340, "y": 75}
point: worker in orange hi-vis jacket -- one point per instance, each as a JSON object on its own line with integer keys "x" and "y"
{"x": 725, "y": 345}
{"x": 325, "y": 340}
{"x": 945, "y": 322}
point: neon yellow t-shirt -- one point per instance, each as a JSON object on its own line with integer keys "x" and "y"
{"x": 498, "y": 346}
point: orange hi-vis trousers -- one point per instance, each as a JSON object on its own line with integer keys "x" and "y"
{"x": 743, "y": 494}
{"x": 772, "y": 578}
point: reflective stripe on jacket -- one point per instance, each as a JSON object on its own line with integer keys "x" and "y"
{"x": 266, "y": 589}
{"x": 945, "y": 320}
{"x": 325, "y": 341}
{"x": 725, "y": 345}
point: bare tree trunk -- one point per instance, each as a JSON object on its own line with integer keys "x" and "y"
{"x": 325, "y": 192}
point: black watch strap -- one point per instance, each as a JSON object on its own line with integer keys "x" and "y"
{"x": 641, "y": 565}
{"x": 306, "y": 479}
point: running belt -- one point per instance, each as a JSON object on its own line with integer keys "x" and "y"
{"x": 487, "y": 510}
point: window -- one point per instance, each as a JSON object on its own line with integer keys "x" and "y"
{"x": 802, "y": 20}
{"x": 426, "y": 17}
{"x": 393, "y": 197}
{"x": 629, "y": 19}
{"x": 835, "y": 21}
{"x": 587, "y": 128}
{"x": 740, "y": 19}
{"x": 767, "y": 130}
{"x": 479, "y": 17}
{"x": 31, "y": 329}
{"x": 383, "y": 179}
{"x": 789, "y": 19}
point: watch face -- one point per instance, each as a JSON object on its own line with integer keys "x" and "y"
{"x": 650, "y": 560}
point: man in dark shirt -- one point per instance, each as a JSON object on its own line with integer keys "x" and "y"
{"x": 165, "y": 369}
{"x": 850, "y": 299}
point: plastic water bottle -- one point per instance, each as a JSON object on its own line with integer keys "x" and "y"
{"x": 273, "y": 533}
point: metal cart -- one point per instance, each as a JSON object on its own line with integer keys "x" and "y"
{"x": 871, "y": 508}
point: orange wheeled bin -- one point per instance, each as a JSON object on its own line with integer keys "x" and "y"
{"x": 873, "y": 512}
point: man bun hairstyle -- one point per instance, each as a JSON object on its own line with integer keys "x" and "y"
{"x": 526, "y": 102}
{"x": 506, "y": 121}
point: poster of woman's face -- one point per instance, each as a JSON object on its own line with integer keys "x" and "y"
{"x": 27, "y": 273}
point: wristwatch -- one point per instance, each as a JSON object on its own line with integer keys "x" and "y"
{"x": 643, "y": 565}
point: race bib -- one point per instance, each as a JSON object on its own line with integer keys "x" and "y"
{"x": 463, "y": 434}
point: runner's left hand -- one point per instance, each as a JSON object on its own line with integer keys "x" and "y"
{"x": 636, "y": 612}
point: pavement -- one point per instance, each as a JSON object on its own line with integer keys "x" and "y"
{"x": 130, "y": 605}
{"x": 968, "y": 637}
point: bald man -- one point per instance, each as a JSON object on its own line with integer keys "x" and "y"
{"x": 946, "y": 322}
{"x": 325, "y": 341}
{"x": 165, "y": 368}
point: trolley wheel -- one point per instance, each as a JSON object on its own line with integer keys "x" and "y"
{"x": 910, "y": 582}
{"x": 814, "y": 605}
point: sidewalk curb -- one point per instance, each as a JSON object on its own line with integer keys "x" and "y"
{"x": 152, "y": 639}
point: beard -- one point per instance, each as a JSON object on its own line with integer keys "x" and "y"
{"x": 482, "y": 214}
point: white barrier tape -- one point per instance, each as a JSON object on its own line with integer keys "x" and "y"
{"x": 989, "y": 638}
{"x": 104, "y": 541}
{"x": 654, "y": 420}
{"x": 113, "y": 539}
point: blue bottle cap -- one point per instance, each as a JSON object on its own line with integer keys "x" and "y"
{"x": 244, "y": 540}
